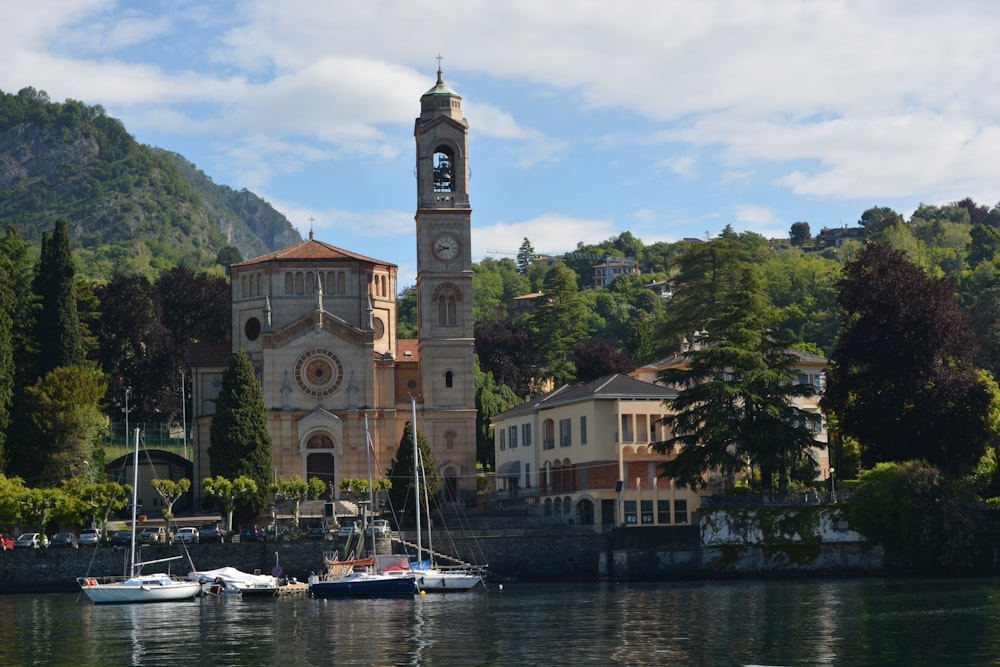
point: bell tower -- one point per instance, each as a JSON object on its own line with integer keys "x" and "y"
{"x": 446, "y": 395}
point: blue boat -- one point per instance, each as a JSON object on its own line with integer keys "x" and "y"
{"x": 343, "y": 579}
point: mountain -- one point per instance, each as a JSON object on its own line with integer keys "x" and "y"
{"x": 131, "y": 208}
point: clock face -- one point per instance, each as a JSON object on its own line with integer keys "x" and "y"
{"x": 446, "y": 247}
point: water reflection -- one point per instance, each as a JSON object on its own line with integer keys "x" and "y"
{"x": 871, "y": 622}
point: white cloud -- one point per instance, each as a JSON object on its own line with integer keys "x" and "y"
{"x": 550, "y": 234}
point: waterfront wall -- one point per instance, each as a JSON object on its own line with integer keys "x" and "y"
{"x": 726, "y": 543}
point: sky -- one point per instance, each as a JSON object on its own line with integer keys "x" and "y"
{"x": 668, "y": 119}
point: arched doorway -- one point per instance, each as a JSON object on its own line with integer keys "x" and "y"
{"x": 321, "y": 464}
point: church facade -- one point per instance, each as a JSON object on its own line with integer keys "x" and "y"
{"x": 319, "y": 324}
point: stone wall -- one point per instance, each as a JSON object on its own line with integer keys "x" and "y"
{"x": 728, "y": 543}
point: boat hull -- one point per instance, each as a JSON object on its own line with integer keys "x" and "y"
{"x": 137, "y": 590}
{"x": 446, "y": 582}
{"x": 360, "y": 585}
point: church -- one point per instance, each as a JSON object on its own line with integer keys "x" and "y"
{"x": 319, "y": 324}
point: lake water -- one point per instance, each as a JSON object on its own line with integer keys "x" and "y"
{"x": 839, "y": 622}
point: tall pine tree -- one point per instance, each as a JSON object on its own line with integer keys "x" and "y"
{"x": 60, "y": 340}
{"x": 240, "y": 444}
{"x": 735, "y": 401}
{"x": 401, "y": 475}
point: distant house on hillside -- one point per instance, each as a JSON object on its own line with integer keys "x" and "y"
{"x": 611, "y": 268}
{"x": 834, "y": 237}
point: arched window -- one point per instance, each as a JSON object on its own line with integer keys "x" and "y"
{"x": 449, "y": 439}
{"x": 319, "y": 441}
{"x": 449, "y": 379}
{"x": 243, "y": 286}
{"x": 341, "y": 283}
{"x": 289, "y": 283}
{"x": 310, "y": 283}
{"x": 300, "y": 285}
{"x": 447, "y": 296}
{"x": 444, "y": 177}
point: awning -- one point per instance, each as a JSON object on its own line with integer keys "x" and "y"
{"x": 509, "y": 469}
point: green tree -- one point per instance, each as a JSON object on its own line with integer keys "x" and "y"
{"x": 406, "y": 312}
{"x": 316, "y": 488}
{"x": 878, "y": 219}
{"x": 38, "y": 506}
{"x": 226, "y": 495}
{"x": 735, "y": 398}
{"x": 984, "y": 245}
{"x": 707, "y": 273}
{"x": 525, "y": 256}
{"x": 799, "y": 234}
{"x": 491, "y": 399}
{"x": 60, "y": 339}
{"x": 63, "y": 411}
{"x": 924, "y": 519}
{"x": 402, "y": 473}
{"x": 95, "y": 502}
{"x": 294, "y": 490}
{"x": 136, "y": 351}
{"x": 240, "y": 444}
{"x": 559, "y": 323}
{"x": 170, "y": 492}
{"x": 10, "y": 489}
{"x": 902, "y": 380}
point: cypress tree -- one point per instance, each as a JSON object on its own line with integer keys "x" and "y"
{"x": 60, "y": 340}
{"x": 240, "y": 444}
{"x": 401, "y": 474}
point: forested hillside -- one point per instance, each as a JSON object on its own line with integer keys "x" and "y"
{"x": 131, "y": 208}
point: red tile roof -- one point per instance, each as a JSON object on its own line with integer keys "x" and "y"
{"x": 311, "y": 250}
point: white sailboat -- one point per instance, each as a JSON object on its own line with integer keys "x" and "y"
{"x": 136, "y": 587}
{"x": 430, "y": 577}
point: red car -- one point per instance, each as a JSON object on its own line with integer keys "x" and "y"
{"x": 6, "y": 542}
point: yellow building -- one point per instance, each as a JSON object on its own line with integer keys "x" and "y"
{"x": 583, "y": 455}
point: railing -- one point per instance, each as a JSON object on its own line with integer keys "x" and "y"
{"x": 152, "y": 435}
{"x": 773, "y": 499}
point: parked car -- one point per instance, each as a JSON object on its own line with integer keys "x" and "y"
{"x": 382, "y": 528}
{"x": 6, "y": 541}
{"x": 252, "y": 533}
{"x": 153, "y": 535}
{"x": 316, "y": 531}
{"x": 28, "y": 541}
{"x": 349, "y": 529}
{"x": 212, "y": 532}
{"x": 187, "y": 535}
{"x": 89, "y": 537}
{"x": 63, "y": 541}
{"x": 121, "y": 538}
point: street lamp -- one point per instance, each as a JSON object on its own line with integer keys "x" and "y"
{"x": 90, "y": 473}
{"x": 833, "y": 482}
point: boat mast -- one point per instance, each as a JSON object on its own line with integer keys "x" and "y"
{"x": 416, "y": 478}
{"x": 371, "y": 491}
{"x": 135, "y": 495}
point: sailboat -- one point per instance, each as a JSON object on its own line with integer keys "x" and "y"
{"x": 429, "y": 576}
{"x": 357, "y": 578}
{"x": 135, "y": 587}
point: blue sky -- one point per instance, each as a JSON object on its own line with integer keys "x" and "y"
{"x": 665, "y": 118}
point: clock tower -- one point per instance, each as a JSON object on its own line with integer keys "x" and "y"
{"x": 446, "y": 395}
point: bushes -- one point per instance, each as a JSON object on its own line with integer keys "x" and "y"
{"x": 924, "y": 519}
